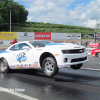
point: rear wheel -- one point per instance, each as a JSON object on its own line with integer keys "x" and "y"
{"x": 98, "y": 55}
{"x": 4, "y": 68}
{"x": 49, "y": 66}
{"x": 78, "y": 66}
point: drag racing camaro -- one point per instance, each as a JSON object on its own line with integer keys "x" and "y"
{"x": 95, "y": 52}
{"x": 42, "y": 54}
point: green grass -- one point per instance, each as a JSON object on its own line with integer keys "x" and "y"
{"x": 49, "y": 27}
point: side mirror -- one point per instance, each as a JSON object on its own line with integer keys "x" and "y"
{"x": 25, "y": 48}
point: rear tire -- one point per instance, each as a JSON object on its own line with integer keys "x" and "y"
{"x": 98, "y": 55}
{"x": 4, "y": 68}
{"x": 78, "y": 66}
{"x": 49, "y": 66}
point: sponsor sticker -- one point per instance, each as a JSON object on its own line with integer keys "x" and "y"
{"x": 16, "y": 66}
{"x": 35, "y": 64}
{"x": 60, "y": 65}
{"x": 20, "y": 66}
{"x": 12, "y": 66}
{"x": 30, "y": 67}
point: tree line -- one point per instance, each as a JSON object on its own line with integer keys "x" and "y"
{"x": 49, "y": 27}
{"x": 18, "y": 13}
{"x": 19, "y": 24}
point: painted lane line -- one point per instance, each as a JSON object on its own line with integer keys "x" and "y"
{"x": 17, "y": 94}
{"x": 91, "y": 69}
{"x": 88, "y": 69}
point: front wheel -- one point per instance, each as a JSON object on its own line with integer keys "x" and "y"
{"x": 49, "y": 66}
{"x": 4, "y": 68}
{"x": 78, "y": 66}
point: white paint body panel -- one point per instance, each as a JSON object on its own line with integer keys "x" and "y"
{"x": 32, "y": 56}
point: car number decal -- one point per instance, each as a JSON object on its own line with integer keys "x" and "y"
{"x": 21, "y": 57}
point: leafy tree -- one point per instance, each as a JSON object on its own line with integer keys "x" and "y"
{"x": 18, "y": 12}
{"x": 1, "y": 19}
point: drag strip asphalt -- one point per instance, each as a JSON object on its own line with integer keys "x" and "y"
{"x": 68, "y": 84}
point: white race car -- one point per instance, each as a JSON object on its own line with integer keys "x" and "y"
{"x": 42, "y": 54}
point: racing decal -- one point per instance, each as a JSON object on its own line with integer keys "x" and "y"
{"x": 60, "y": 65}
{"x": 38, "y": 49}
{"x": 20, "y": 66}
{"x": 30, "y": 67}
{"x": 5, "y": 52}
{"x": 35, "y": 64}
{"x": 97, "y": 51}
{"x": 16, "y": 66}
{"x": 12, "y": 66}
{"x": 21, "y": 57}
{"x": 54, "y": 44}
{"x": 25, "y": 66}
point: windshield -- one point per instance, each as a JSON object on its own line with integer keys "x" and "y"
{"x": 37, "y": 44}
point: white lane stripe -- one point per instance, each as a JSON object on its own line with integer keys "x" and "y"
{"x": 91, "y": 69}
{"x": 17, "y": 94}
{"x": 88, "y": 69}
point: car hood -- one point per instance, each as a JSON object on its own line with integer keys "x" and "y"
{"x": 64, "y": 45}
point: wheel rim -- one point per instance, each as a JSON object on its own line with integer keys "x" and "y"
{"x": 98, "y": 54}
{"x": 49, "y": 66}
{"x": 3, "y": 67}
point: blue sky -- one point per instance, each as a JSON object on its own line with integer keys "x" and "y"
{"x": 78, "y": 2}
{"x": 68, "y": 12}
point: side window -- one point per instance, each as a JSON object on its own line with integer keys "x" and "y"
{"x": 12, "y": 48}
{"x": 22, "y": 45}
{"x": 19, "y": 46}
{"x": 37, "y": 44}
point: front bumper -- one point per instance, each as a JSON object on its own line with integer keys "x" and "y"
{"x": 72, "y": 59}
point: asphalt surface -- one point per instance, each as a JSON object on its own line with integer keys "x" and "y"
{"x": 68, "y": 84}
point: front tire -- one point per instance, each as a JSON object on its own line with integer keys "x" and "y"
{"x": 49, "y": 66}
{"x": 78, "y": 66}
{"x": 4, "y": 68}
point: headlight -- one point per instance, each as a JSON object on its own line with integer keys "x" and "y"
{"x": 74, "y": 51}
{"x": 65, "y": 51}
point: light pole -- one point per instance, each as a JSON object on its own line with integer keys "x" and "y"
{"x": 95, "y": 34}
{"x": 97, "y": 27}
{"x": 10, "y": 20}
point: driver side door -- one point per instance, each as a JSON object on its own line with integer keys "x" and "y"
{"x": 22, "y": 58}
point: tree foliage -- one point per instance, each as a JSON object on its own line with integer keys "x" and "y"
{"x": 48, "y": 27}
{"x": 18, "y": 13}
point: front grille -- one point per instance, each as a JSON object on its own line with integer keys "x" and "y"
{"x": 78, "y": 59}
{"x": 73, "y": 51}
